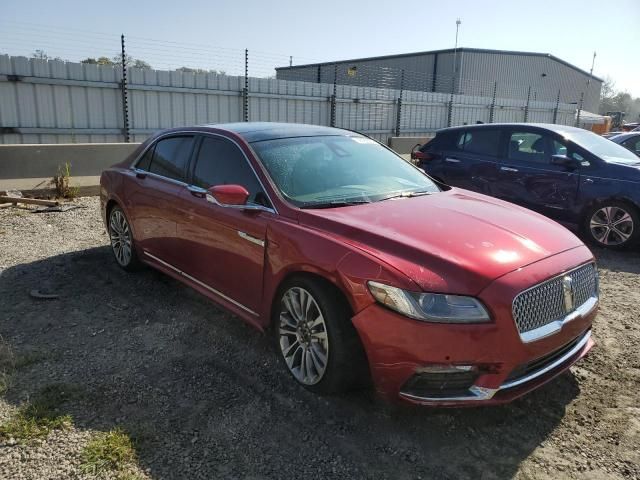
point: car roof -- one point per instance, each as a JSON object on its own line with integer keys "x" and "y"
{"x": 560, "y": 129}
{"x": 623, "y": 136}
{"x": 260, "y": 131}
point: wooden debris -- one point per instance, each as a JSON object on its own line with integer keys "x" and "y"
{"x": 5, "y": 205}
{"x": 29, "y": 201}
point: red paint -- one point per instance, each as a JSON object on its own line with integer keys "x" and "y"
{"x": 229, "y": 194}
{"x": 455, "y": 241}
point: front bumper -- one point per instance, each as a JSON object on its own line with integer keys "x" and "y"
{"x": 399, "y": 348}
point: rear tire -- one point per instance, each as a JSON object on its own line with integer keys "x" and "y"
{"x": 612, "y": 224}
{"x": 315, "y": 338}
{"x": 121, "y": 237}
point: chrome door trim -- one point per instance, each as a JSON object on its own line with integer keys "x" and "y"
{"x": 508, "y": 169}
{"x": 452, "y": 160}
{"x": 251, "y": 238}
{"x": 203, "y": 285}
{"x": 196, "y": 132}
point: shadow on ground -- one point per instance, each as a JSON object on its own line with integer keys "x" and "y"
{"x": 204, "y": 396}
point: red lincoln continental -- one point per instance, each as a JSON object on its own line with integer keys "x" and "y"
{"x": 362, "y": 266}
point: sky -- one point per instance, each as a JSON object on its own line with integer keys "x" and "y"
{"x": 209, "y": 32}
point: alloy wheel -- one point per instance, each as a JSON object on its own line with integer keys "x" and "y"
{"x": 120, "y": 237}
{"x": 611, "y": 226}
{"x": 303, "y": 336}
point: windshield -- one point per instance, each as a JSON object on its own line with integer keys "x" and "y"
{"x": 339, "y": 170}
{"x": 602, "y": 147}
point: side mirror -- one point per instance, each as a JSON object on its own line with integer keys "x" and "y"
{"x": 415, "y": 152}
{"x": 564, "y": 161}
{"x": 228, "y": 195}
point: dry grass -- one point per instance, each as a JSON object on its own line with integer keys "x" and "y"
{"x": 61, "y": 183}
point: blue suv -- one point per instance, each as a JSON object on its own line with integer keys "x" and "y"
{"x": 571, "y": 175}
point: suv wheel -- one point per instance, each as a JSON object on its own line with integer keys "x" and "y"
{"x": 122, "y": 240}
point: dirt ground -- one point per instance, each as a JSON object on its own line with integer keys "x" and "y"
{"x": 203, "y": 395}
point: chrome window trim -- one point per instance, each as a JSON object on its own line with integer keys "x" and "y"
{"x": 556, "y": 325}
{"x": 203, "y": 285}
{"x": 273, "y": 208}
{"x": 481, "y": 393}
{"x": 160, "y": 177}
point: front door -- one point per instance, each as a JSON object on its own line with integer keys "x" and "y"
{"x": 224, "y": 247}
{"x": 528, "y": 178}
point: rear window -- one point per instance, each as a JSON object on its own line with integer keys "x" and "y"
{"x": 480, "y": 142}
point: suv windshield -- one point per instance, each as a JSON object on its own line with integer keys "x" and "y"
{"x": 332, "y": 171}
{"x": 604, "y": 148}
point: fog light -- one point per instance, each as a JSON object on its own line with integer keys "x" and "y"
{"x": 442, "y": 381}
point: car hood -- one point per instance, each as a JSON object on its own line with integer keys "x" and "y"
{"x": 454, "y": 241}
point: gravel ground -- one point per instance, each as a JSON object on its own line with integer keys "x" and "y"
{"x": 203, "y": 395}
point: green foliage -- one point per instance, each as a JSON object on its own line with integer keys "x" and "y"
{"x": 36, "y": 419}
{"x": 111, "y": 451}
{"x": 61, "y": 183}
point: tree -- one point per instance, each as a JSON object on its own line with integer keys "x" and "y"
{"x": 42, "y": 55}
{"x": 117, "y": 60}
{"x": 612, "y": 100}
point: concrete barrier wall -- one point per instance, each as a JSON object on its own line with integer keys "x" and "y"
{"x": 404, "y": 145}
{"x": 31, "y": 167}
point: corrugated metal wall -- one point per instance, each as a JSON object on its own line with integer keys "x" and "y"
{"x": 56, "y": 102}
{"x": 476, "y": 74}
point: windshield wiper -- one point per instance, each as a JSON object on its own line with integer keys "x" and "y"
{"x": 336, "y": 203}
{"x": 407, "y": 194}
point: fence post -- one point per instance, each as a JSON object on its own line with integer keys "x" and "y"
{"x": 245, "y": 90}
{"x": 450, "y": 110}
{"x": 555, "y": 110}
{"x": 526, "y": 108}
{"x": 333, "y": 97}
{"x": 493, "y": 102}
{"x": 399, "y": 110}
{"x": 125, "y": 94}
{"x": 579, "y": 109}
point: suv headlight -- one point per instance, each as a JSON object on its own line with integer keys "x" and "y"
{"x": 430, "y": 307}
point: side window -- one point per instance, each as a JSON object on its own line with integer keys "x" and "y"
{"x": 145, "y": 161}
{"x": 560, "y": 148}
{"x": 170, "y": 157}
{"x": 527, "y": 147}
{"x": 220, "y": 162}
{"x": 480, "y": 142}
{"x": 633, "y": 144}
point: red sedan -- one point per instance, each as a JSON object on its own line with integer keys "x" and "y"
{"x": 362, "y": 267}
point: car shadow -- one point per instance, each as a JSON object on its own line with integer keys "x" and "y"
{"x": 204, "y": 395}
{"x": 627, "y": 261}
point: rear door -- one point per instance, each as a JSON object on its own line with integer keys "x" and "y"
{"x": 472, "y": 160}
{"x": 223, "y": 247}
{"x": 159, "y": 181}
{"x": 528, "y": 178}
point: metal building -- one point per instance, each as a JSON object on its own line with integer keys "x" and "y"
{"x": 469, "y": 71}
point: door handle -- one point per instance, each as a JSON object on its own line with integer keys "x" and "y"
{"x": 197, "y": 191}
{"x": 508, "y": 169}
{"x": 140, "y": 173}
{"x": 251, "y": 238}
{"x": 452, "y": 160}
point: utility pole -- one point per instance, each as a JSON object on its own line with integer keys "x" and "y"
{"x": 455, "y": 55}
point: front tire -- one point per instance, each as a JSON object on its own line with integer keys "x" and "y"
{"x": 315, "y": 338}
{"x": 613, "y": 224}
{"x": 121, "y": 237}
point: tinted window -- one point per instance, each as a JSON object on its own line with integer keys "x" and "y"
{"x": 220, "y": 162}
{"x": 145, "y": 161}
{"x": 633, "y": 144}
{"x": 170, "y": 157}
{"x": 481, "y": 142}
{"x": 527, "y": 147}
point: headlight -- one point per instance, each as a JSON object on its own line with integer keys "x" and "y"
{"x": 430, "y": 307}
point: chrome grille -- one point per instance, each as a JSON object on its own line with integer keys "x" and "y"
{"x": 545, "y": 303}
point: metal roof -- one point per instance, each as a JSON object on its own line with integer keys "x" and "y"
{"x": 448, "y": 50}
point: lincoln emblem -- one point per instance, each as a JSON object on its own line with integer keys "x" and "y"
{"x": 569, "y": 301}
